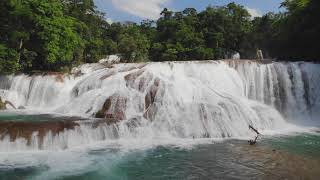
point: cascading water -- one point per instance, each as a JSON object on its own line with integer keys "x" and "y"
{"x": 291, "y": 88}
{"x": 215, "y": 99}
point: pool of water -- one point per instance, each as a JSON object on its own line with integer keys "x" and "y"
{"x": 307, "y": 144}
{"x": 279, "y": 157}
{"x": 224, "y": 160}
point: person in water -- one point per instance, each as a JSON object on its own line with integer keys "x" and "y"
{"x": 253, "y": 142}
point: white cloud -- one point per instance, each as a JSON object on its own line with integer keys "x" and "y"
{"x": 254, "y": 12}
{"x": 147, "y": 9}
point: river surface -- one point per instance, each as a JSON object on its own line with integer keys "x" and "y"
{"x": 274, "y": 157}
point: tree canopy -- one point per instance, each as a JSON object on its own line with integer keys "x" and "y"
{"x": 54, "y": 35}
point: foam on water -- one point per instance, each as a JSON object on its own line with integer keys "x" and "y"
{"x": 188, "y": 100}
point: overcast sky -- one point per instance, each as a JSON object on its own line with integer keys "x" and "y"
{"x": 137, "y": 10}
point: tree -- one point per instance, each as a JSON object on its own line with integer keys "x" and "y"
{"x": 292, "y": 35}
{"x": 133, "y": 45}
{"x": 301, "y": 29}
{"x": 8, "y": 60}
{"x": 56, "y": 34}
{"x": 53, "y": 34}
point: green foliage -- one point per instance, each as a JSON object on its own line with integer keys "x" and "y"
{"x": 290, "y": 35}
{"x": 56, "y": 35}
{"x": 133, "y": 45}
{"x": 92, "y": 29}
{"x": 213, "y": 33}
{"x": 225, "y": 28}
{"x": 301, "y": 29}
{"x": 8, "y": 60}
{"x": 39, "y": 31}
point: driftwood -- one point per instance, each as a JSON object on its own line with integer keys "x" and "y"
{"x": 253, "y": 142}
{"x": 255, "y": 130}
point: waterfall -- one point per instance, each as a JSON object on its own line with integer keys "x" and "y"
{"x": 291, "y": 88}
{"x": 216, "y": 99}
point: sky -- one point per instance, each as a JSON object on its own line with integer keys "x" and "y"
{"x": 138, "y": 10}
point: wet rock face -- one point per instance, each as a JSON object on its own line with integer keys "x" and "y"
{"x": 113, "y": 108}
{"x": 106, "y": 106}
{"x": 39, "y": 131}
{"x": 151, "y": 94}
{"x": 106, "y": 76}
{"x": 136, "y": 81}
{"x": 150, "y": 99}
{"x": 25, "y": 130}
{"x": 145, "y": 82}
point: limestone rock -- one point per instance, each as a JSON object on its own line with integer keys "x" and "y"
{"x": 113, "y": 108}
{"x": 151, "y": 94}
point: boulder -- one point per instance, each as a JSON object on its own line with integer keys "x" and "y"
{"x": 151, "y": 99}
{"x": 151, "y": 94}
{"x": 113, "y": 108}
{"x": 130, "y": 78}
{"x": 138, "y": 80}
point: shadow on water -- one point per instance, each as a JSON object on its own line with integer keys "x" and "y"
{"x": 20, "y": 173}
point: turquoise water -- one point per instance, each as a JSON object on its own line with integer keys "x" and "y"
{"x": 206, "y": 161}
{"x": 163, "y": 162}
{"x": 180, "y": 159}
{"x": 30, "y": 117}
{"x": 302, "y": 144}
{"x": 13, "y": 116}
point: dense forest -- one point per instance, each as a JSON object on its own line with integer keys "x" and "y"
{"x": 54, "y": 35}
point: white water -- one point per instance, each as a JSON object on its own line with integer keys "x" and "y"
{"x": 193, "y": 100}
{"x": 291, "y": 88}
